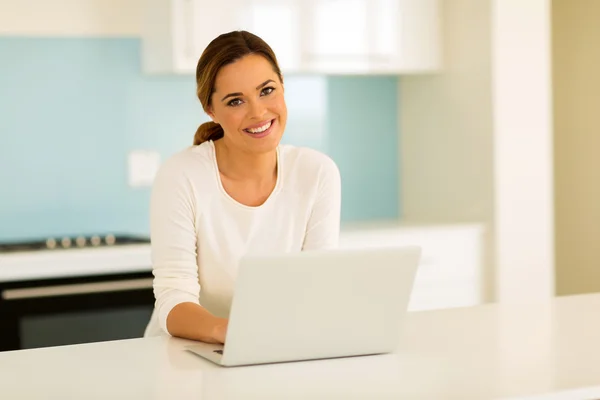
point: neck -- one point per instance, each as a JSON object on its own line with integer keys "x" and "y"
{"x": 239, "y": 165}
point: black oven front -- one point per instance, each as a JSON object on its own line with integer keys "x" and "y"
{"x": 55, "y": 312}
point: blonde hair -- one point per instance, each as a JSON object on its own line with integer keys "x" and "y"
{"x": 223, "y": 50}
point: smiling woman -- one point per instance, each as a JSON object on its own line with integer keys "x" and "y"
{"x": 236, "y": 191}
{"x": 249, "y": 107}
{"x": 247, "y": 84}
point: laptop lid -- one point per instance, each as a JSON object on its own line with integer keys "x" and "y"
{"x": 319, "y": 304}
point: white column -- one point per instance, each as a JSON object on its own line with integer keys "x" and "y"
{"x": 523, "y": 160}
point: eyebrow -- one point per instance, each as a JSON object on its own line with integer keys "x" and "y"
{"x": 241, "y": 94}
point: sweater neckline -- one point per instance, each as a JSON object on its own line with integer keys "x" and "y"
{"x": 213, "y": 156}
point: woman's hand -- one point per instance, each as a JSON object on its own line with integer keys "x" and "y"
{"x": 192, "y": 321}
{"x": 220, "y": 330}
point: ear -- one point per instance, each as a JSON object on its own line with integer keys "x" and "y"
{"x": 211, "y": 114}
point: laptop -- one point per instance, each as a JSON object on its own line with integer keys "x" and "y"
{"x": 315, "y": 305}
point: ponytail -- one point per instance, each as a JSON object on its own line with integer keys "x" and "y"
{"x": 208, "y": 131}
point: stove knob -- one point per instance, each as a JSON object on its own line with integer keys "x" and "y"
{"x": 80, "y": 241}
{"x": 109, "y": 239}
{"x": 50, "y": 243}
{"x": 95, "y": 240}
{"x": 65, "y": 242}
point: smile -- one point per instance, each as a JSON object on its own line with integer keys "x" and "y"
{"x": 261, "y": 130}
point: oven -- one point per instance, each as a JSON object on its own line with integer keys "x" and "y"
{"x": 53, "y": 294}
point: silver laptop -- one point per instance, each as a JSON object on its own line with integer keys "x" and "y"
{"x": 316, "y": 305}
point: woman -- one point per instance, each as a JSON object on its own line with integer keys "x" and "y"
{"x": 236, "y": 191}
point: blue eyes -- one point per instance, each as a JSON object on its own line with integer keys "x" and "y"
{"x": 265, "y": 92}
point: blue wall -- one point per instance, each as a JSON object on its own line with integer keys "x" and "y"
{"x": 362, "y": 137}
{"x": 72, "y": 108}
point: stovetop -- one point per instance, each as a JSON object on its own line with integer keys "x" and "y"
{"x": 77, "y": 242}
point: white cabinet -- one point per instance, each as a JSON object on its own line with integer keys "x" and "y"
{"x": 308, "y": 36}
{"x": 371, "y": 36}
{"x": 278, "y": 22}
{"x": 451, "y": 272}
{"x": 176, "y": 32}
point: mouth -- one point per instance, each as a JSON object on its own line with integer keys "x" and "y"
{"x": 262, "y": 130}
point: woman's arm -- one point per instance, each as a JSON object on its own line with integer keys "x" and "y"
{"x": 174, "y": 260}
{"x": 323, "y": 228}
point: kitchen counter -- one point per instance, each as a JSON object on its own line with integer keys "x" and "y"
{"x": 451, "y": 273}
{"x": 538, "y": 351}
{"x": 74, "y": 262}
{"x": 67, "y": 263}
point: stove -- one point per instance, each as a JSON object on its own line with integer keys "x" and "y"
{"x": 67, "y": 242}
{"x": 74, "y": 289}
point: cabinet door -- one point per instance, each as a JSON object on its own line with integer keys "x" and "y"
{"x": 308, "y": 36}
{"x": 196, "y": 23}
{"x": 201, "y": 21}
{"x": 277, "y": 22}
{"x": 351, "y": 35}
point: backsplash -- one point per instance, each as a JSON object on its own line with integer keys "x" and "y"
{"x": 72, "y": 109}
{"x": 362, "y": 137}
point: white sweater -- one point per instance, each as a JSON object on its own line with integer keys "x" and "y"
{"x": 199, "y": 233}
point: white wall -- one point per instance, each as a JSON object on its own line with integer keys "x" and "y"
{"x": 70, "y": 17}
{"x": 446, "y": 129}
{"x": 523, "y": 146}
{"x": 446, "y": 123}
{"x": 476, "y": 141}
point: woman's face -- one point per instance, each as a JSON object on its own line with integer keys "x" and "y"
{"x": 249, "y": 105}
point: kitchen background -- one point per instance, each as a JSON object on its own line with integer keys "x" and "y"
{"x": 478, "y": 145}
{"x": 76, "y": 107}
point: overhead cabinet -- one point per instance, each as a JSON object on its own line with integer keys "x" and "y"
{"x": 308, "y": 36}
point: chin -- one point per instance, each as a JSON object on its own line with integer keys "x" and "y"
{"x": 266, "y": 146}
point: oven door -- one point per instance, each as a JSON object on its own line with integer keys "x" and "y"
{"x": 74, "y": 310}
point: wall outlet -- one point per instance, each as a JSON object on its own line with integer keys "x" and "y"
{"x": 143, "y": 165}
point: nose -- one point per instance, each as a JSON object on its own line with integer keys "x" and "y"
{"x": 257, "y": 109}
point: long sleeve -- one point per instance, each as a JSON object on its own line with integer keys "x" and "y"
{"x": 190, "y": 213}
{"x": 173, "y": 240}
{"x": 323, "y": 228}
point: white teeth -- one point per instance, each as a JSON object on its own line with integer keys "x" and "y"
{"x": 261, "y": 129}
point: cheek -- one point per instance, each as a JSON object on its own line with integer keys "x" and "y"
{"x": 232, "y": 118}
{"x": 278, "y": 105}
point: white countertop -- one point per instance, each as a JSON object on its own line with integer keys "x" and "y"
{"x": 74, "y": 262}
{"x": 544, "y": 351}
{"x": 65, "y": 263}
